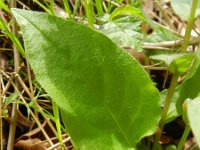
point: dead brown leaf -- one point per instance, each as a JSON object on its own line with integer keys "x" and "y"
{"x": 32, "y": 144}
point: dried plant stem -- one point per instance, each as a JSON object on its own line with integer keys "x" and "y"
{"x": 33, "y": 115}
{"x": 58, "y": 144}
{"x": 164, "y": 14}
{"x": 32, "y": 97}
{"x": 14, "y": 115}
{"x": 29, "y": 77}
{"x": 1, "y": 123}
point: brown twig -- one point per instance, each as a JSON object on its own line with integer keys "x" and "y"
{"x": 14, "y": 115}
{"x": 166, "y": 45}
{"x": 1, "y": 123}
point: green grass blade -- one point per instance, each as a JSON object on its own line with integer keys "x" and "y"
{"x": 52, "y": 6}
{"x": 4, "y": 6}
{"x": 67, "y": 8}
{"x": 89, "y": 9}
{"x": 12, "y": 37}
{"x": 57, "y": 121}
{"x": 43, "y": 7}
{"x": 99, "y": 7}
{"x": 77, "y": 4}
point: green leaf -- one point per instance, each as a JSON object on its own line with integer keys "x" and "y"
{"x": 182, "y": 8}
{"x": 127, "y": 10}
{"x": 190, "y": 87}
{"x": 176, "y": 63}
{"x": 89, "y": 10}
{"x": 167, "y": 58}
{"x": 13, "y": 38}
{"x": 193, "y": 113}
{"x": 181, "y": 64}
{"x": 106, "y": 98}
{"x": 125, "y": 33}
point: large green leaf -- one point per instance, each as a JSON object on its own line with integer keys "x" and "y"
{"x": 106, "y": 98}
{"x": 182, "y": 8}
{"x": 127, "y": 10}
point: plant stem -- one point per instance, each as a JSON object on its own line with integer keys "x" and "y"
{"x": 52, "y": 6}
{"x": 33, "y": 115}
{"x": 189, "y": 25}
{"x": 165, "y": 109}
{"x": 14, "y": 115}
{"x": 184, "y": 137}
{"x": 1, "y": 123}
{"x": 77, "y": 4}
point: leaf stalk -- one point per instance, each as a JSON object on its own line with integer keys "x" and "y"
{"x": 183, "y": 138}
{"x": 168, "y": 100}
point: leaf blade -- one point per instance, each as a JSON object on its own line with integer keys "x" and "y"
{"x": 101, "y": 105}
{"x": 193, "y": 114}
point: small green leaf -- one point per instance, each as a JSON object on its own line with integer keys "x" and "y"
{"x": 166, "y": 58}
{"x": 193, "y": 113}
{"x": 181, "y": 64}
{"x": 106, "y": 98}
{"x": 190, "y": 87}
{"x": 126, "y": 33}
{"x": 182, "y": 8}
{"x": 176, "y": 63}
{"x": 127, "y": 10}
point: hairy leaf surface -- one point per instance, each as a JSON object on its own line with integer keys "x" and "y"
{"x": 106, "y": 98}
